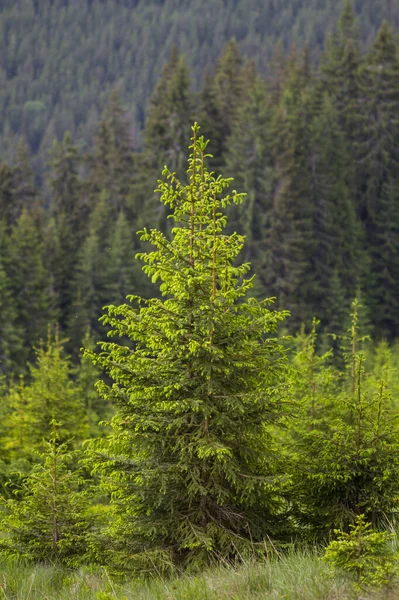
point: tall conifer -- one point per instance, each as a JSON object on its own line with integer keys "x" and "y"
{"x": 186, "y": 462}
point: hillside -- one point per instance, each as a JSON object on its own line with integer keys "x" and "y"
{"x": 59, "y": 59}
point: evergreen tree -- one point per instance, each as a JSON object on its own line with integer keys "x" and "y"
{"x": 379, "y": 152}
{"x": 87, "y": 374}
{"x": 344, "y": 444}
{"x": 379, "y": 168}
{"x": 8, "y": 209}
{"x": 111, "y": 165}
{"x": 166, "y": 130}
{"x": 10, "y": 333}
{"x": 49, "y": 524}
{"x": 337, "y": 232}
{"x": 186, "y": 462}
{"x": 290, "y": 245}
{"x": 340, "y": 70}
{"x": 24, "y": 188}
{"x": 89, "y": 277}
{"x": 211, "y": 119}
{"x": 221, "y": 98}
{"x": 52, "y": 394}
{"x": 69, "y": 207}
{"x": 249, "y": 160}
{"x": 122, "y": 275}
{"x": 383, "y": 288}
{"x": 30, "y": 283}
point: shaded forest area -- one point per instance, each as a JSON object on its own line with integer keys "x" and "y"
{"x": 60, "y": 59}
{"x": 316, "y": 150}
{"x": 210, "y": 437}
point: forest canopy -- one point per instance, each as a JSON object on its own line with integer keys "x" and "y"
{"x": 60, "y": 59}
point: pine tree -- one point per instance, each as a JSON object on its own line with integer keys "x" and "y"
{"x": 52, "y": 394}
{"x": 337, "y": 231}
{"x": 194, "y": 394}
{"x": 122, "y": 275}
{"x": 112, "y": 162}
{"x": 344, "y": 445}
{"x": 30, "y": 283}
{"x": 87, "y": 374}
{"x": 166, "y": 131}
{"x": 249, "y": 160}
{"x": 211, "y": 119}
{"x": 24, "y": 188}
{"x": 290, "y": 245}
{"x": 220, "y": 100}
{"x": 49, "y": 524}
{"x": 8, "y": 209}
{"x": 10, "y": 333}
{"x": 378, "y": 148}
{"x": 230, "y": 85}
{"x": 340, "y": 73}
{"x": 70, "y": 210}
{"x": 383, "y": 290}
{"x": 89, "y": 277}
{"x": 379, "y": 169}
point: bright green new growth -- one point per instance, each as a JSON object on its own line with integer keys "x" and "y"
{"x": 190, "y": 465}
{"x": 364, "y": 553}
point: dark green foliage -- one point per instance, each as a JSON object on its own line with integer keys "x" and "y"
{"x": 49, "y": 523}
{"x": 69, "y": 209}
{"x": 290, "y": 243}
{"x": 111, "y": 166}
{"x": 337, "y": 260}
{"x": 384, "y": 290}
{"x": 345, "y": 442}
{"x": 249, "y": 160}
{"x": 10, "y": 333}
{"x": 30, "y": 283}
{"x": 60, "y": 60}
{"x": 166, "y": 131}
{"x": 186, "y": 463}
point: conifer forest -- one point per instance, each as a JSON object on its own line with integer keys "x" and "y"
{"x": 199, "y": 299}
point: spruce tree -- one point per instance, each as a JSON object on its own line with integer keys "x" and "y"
{"x": 52, "y": 394}
{"x": 166, "y": 130}
{"x": 190, "y": 465}
{"x": 378, "y": 169}
{"x": 384, "y": 279}
{"x": 70, "y": 210}
{"x": 30, "y": 283}
{"x": 49, "y": 523}
{"x": 337, "y": 230}
{"x": 10, "y": 333}
{"x": 112, "y": 162}
{"x": 210, "y": 117}
{"x": 249, "y": 160}
{"x": 8, "y": 209}
{"x": 24, "y": 188}
{"x": 344, "y": 446}
{"x": 290, "y": 245}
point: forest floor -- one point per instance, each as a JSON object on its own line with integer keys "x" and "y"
{"x": 299, "y": 576}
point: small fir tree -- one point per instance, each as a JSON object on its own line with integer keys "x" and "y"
{"x": 49, "y": 523}
{"x": 190, "y": 465}
{"x": 52, "y": 394}
{"x": 345, "y": 447}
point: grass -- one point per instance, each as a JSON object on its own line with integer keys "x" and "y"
{"x": 299, "y": 576}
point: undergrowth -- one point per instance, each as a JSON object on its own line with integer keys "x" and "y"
{"x": 298, "y": 576}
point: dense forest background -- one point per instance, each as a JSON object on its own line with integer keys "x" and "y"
{"x": 208, "y": 427}
{"x": 60, "y": 59}
{"x": 313, "y": 143}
